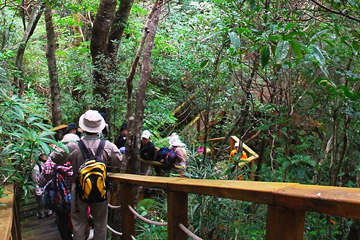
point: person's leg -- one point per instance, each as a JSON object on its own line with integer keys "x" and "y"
{"x": 40, "y": 206}
{"x": 79, "y": 215}
{"x": 63, "y": 225}
{"x": 99, "y": 212}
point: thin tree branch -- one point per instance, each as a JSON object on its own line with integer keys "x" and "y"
{"x": 342, "y": 13}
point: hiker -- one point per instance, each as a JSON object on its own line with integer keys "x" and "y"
{"x": 238, "y": 149}
{"x": 176, "y": 145}
{"x": 92, "y": 123}
{"x": 173, "y": 137}
{"x": 63, "y": 221}
{"x": 105, "y": 133}
{"x": 121, "y": 139}
{"x": 37, "y": 178}
{"x": 72, "y": 128}
{"x": 70, "y": 137}
{"x": 147, "y": 152}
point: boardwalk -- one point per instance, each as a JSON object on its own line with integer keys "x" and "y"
{"x": 33, "y": 228}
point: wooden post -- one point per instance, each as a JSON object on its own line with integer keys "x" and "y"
{"x": 16, "y": 229}
{"x": 198, "y": 126}
{"x": 212, "y": 151}
{"x": 128, "y": 218}
{"x": 252, "y": 165}
{"x": 284, "y": 223}
{"x": 177, "y": 213}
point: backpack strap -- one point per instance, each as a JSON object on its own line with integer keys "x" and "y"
{"x": 100, "y": 148}
{"x": 84, "y": 149}
{"x": 86, "y": 152}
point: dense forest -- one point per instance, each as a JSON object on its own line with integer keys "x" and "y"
{"x": 282, "y": 76}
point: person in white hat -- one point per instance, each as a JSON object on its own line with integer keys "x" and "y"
{"x": 70, "y": 137}
{"x": 147, "y": 152}
{"x": 177, "y": 145}
{"x": 92, "y": 123}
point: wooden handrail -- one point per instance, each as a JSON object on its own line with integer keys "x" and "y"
{"x": 287, "y": 202}
{"x": 9, "y": 218}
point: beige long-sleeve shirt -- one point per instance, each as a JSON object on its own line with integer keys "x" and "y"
{"x": 111, "y": 155}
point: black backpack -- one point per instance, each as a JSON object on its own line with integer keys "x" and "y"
{"x": 166, "y": 156}
{"x": 91, "y": 182}
{"x": 57, "y": 195}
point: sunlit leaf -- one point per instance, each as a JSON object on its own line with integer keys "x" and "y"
{"x": 282, "y": 50}
{"x": 234, "y": 38}
{"x": 316, "y": 52}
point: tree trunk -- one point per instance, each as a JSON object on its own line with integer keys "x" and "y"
{"x": 141, "y": 90}
{"x": 104, "y": 45}
{"x": 33, "y": 21}
{"x": 53, "y": 75}
{"x": 130, "y": 86}
{"x": 98, "y": 45}
{"x": 117, "y": 29}
{"x": 132, "y": 160}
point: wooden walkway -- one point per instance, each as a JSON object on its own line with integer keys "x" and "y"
{"x": 33, "y": 228}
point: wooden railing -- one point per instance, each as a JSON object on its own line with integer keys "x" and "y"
{"x": 287, "y": 202}
{"x": 9, "y": 215}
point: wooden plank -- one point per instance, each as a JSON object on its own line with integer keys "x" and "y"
{"x": 233, "y": 140}
{"x": 177, "y": 203}
{"x": 58, "y": 128}
{"x": 261, "y": 192}
{"x": 337, "y": 201}
{"x": 213, "y": 140}
{"x": 284, "y": 223}
{"x": 6, "y": 212}
{"x": 152, "y": 163}
{"x": 127, "y": 217}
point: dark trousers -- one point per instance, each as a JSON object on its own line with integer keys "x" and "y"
{"x": 64, "y": 225}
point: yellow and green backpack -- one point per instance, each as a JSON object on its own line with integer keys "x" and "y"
{"x": 91, "y": 183}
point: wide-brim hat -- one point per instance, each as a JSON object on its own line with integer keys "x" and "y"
{"x": 91, "y": 121}
{"x": 177, "y": 143}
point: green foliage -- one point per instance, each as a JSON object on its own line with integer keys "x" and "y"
{"x": 23, "y": 137}
{"x": 155, "y": 210}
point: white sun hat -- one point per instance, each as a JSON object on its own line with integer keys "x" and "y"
{"x": 70, "y": 137}
{"x": 146, "y": 134}
{"x": 91, "y": 121}
{"x": 177, "y": 143}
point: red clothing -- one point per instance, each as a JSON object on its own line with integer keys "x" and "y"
{"x": 49, "y": 169}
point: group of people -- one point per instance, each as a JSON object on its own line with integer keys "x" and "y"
{"x": 149, "y": 152}
{"x": 74, "y": 224}
{"x": 67, "y": 163}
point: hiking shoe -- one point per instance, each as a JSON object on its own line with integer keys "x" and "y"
{"x": 40, "y": 216}
{"x": 49, "y": 213}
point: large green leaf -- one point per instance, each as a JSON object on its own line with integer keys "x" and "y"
{"x": 316, "y": 52}
{"x": 289, "y": 26}
{"x": 355, "y": 45}
{"x": 265, "y": 55}
{"x": 282, "y": 50}
{"x": 234, "y": 38}
{"x": 296, "y": 49}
